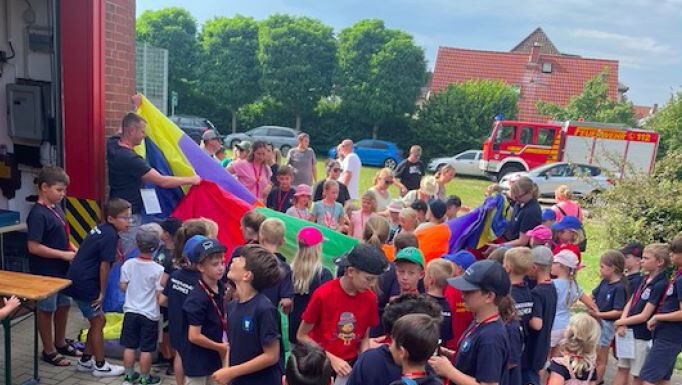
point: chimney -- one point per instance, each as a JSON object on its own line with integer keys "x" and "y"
{"x": 534, "y": 53}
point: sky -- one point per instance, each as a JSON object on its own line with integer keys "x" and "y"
{"x": 645, "y": 36}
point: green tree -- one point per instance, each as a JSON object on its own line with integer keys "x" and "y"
{"x": 174, "y": 29}
{"x": 380, "y": 74}
{"x": 668, "y": 122}
{"x": 230, "y": 70}
{"x": 461, "y": 117}
{"x": 298, "y": 57}
{"x": 593, "y": 105}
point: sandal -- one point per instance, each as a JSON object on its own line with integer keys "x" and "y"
{"x": 55, "y": 359}
{"x": 68, "y": 350}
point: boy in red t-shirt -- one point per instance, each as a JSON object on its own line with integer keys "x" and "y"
{"x": 340, "y": 312}
{"x": 461, "y": 317}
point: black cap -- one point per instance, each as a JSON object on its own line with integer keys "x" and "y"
{"x": 206, "y": 248}
{"x": 483, "y": 275}
{"x": 633, "y": 248}
{"x": 170, "y": 225}
{"x": 366, "y": 258}
{"x": 438, "y": 208}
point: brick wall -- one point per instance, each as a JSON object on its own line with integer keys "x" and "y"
{"x": 119, "y": 61}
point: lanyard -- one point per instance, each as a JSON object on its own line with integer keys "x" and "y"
{"x": 61, "y": 220}
{"x": 413, "y": 375}
{"x": 670, "y": 284}
{"x": 280, "y": 199}
{"x": 304, "y": 214}
{"x": 472, "y": 328}
{"x": 640, "y": 289}
{"x": 219, "y": 312}
{"x": 329, "y": 216}
{"x": 257, "y": 176}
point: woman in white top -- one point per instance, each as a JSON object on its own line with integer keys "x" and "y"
{"x": 565, "y": 206}
{"x": 382, "y": 181}
{"x": 444, "y": 176}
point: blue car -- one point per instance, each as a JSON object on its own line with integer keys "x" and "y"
{"x": 375, "y": 153}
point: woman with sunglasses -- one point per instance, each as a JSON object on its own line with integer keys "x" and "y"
{"x": 333, "y": 168}
{"x": 382, "y": 181}
{"x": 526, "y": 214}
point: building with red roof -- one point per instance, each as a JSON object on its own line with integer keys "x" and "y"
{"x": 534, "y": 67}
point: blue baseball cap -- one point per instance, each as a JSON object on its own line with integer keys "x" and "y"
{"x": 462, "y": 258}
{"x": 483, "y": 275}
{"x": 548, "y": 215}
{"x": 190, "y": 245}
{"x": 567, "y": 223}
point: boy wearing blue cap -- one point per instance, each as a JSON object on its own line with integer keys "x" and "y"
{"x": 569, "y": 235}
{"x": 548, "y": 218}
{"x": 483, "y": 351}
{"x": 461, "y": 316}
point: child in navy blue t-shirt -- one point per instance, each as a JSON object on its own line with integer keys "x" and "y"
{"x": 308, "y": 365}
{"x": 518, "y": 262}
{"x": 575, "y": 363}
{"x": 253, "y": 321}
{"x": 666, "y": 326}
{"x": 436, "y": 280}
{"x": 610, "y": 297}
{"x": 516, "y": 334}
{"x": 281, "y": 197}
{"x": 415, "y": 339}
{"x": 633, "y": 264}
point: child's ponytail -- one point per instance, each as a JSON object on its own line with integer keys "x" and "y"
{"x": 579, "y": 345}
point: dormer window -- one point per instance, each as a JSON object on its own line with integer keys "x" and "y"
{"x": 547, "y": 68}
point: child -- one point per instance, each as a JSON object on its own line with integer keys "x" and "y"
{"x": 516, "y": 334}
{"x": 435, "y": 216}
{"x": 271, "y": 236}
{"x": 548, "y": 218}
{"x": 435, "y": 281}
{"x": 250, "y": 225}
{"x": 341, "y": 311}
{"x": 517, "y": 263}
{"x": 301, "y": 206}
{"x": 415, "y": 339}
{"x": 420, "y": 207}
{"x": 394, "y": 208}
{"x": 498, "y": 255}
{"x": 542, "y": 317}
{"x": 564, "y": 268}
{"x": 667, "y": 326}
{"x": 328, "y": 212}
{"x": 253, "y": 321}
{"x": 540, "y": 236}
{"x": 9, "y": 305}
{"x": 307, "y": 274}
{"x": 377, "y": 366}
{"x": 358, "y": 218}
{"x": 141, "y": 282}
{"x": 88, "y": 274}
{"x": 281, "y": 197}
{"x": 454, "y": 205}
{"x": 50, "y": 254}
{"x": 633, "y": 261}
{"x": 408, "y": 220}
{"x": 610, "y": 297}
{"x": 461, "y": 316}
{"x": 206, "y": 346}
{"x": 307, "y": 365}
{"x": 483, "y": 352}
{"x": 568, "y": 235}
{"x": 640, "y": 308}
{"x": 575, "y": 363}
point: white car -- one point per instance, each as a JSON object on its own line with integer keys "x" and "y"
{"x": 582, "y": 179}
{"x": 465, "y": 163}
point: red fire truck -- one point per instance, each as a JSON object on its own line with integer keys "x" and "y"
{"x": 522, "y": 146}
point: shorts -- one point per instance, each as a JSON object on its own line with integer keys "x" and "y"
{"x": 139, "y": 332}
{"x": 530, "y": 377}
{"x": 88, "y": 311}
{"x": 51, "y": 303}
{"x": 635, "y": 365}
{"x": 207, "y": 380}
{"x": 660, "y": 361}
{"x": 608, "y": 332}
{"x": 556, "y": 337}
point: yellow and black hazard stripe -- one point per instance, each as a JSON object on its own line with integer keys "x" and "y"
{"x": 82, "y": 215}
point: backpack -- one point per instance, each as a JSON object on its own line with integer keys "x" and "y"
{"x": 574, "y": 380}
{"x": 582, "y": 246}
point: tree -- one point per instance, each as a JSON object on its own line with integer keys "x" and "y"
{"x": 175, "y": 30}
{"x": 381, "y": 72}
{"x": 593, "y": 105}
{"x": 668, "y": 122}
{"x": 230, "y": 70}
{"x": 298, "y": 57}
{"x": 461, "y": 117}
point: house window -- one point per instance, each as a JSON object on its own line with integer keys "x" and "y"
{"x": 547, "y": 68}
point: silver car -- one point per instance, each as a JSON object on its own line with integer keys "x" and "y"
{"x": 465, "y": 163}
{"x": 582, "y": 179}
{"x": 283, "y": 138}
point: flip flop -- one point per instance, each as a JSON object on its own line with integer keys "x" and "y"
{"x": 68, "y": 350}
{"x": 55, "y": 359}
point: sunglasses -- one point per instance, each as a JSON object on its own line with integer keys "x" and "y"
{"x": 388, "y": 181}
{"x": 336, "y": 170}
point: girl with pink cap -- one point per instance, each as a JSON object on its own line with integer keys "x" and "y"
{"x": 301, "y": 207}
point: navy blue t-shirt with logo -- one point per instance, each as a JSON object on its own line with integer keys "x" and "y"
{"x": 515, "y": 332}
{"x": 46, "y": 226}
{"x": 670, "y": 331}
{"x": 484, "y": 352}
{"x": 538, "y": 341}
{"x": 199, "y": 309}
{"x": 446, "y": 313}
{"x": 101, "y": 245}
{"x": 523, "y": 302}
{"x": 634, "y": 280}
{"x": 650, "y": 291}
{"x": 251, "y": 326}
{"x": 179, "y": 285}
{"x": 610, "y": 296}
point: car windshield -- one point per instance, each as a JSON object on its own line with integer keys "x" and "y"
{"x": 543, "y": 169}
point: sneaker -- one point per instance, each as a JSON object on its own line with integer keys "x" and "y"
{"x": 131, "y": 380}
{"x": 87, "y": 366}
{"x": 150, "y": 380}
{"x": 108, "y": 370}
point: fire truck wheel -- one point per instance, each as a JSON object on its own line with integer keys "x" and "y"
{"x": 508, "y": 169}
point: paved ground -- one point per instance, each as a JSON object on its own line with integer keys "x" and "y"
{"x": 22, "y": 360}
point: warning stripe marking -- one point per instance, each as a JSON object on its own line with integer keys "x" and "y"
{"x": 82, "y": 215}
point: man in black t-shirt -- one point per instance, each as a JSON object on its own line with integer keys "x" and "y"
{"x": 128, "y": 171}
{"x": 410, "y": 171}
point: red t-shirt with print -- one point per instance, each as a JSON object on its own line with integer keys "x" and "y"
{"x": 341, "y": 320}
{"x": 461, "y": 317}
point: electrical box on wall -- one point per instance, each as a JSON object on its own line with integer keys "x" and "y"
{"x": 25, "y": 112}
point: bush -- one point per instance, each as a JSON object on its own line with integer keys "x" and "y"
{"x": 647, "y": 208}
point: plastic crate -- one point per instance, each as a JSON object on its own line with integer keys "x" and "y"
{"x": 8, "y": 217}
{"x": 18, "y": 264}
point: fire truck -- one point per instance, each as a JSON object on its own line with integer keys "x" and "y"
{"x": 515, "y": 146}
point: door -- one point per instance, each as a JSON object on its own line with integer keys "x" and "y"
{"x": 466, "y": 163}
{"x": 365, "y": 151}
{"x": 260, "y": 133}
{"x": 554, "y": 177}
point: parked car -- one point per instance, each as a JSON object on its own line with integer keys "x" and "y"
{"x": 193, "y": 126}
{"x": 582, "y": 179}
{"x": 466, "y": 163}
{"x": 283, "y": 138}
{"x": 374, "y": 152}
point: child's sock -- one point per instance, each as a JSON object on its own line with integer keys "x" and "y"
{"x": 129, "y": 372}
{"x": 86, "y": 357}
{"x": 99, "y": 363}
